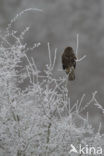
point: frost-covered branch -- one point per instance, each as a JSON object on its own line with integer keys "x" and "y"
{"x": 21, "y": 13}
{"x": 77, "y": 46}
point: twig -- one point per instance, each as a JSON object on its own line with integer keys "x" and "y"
{"x": 21, "y": 13}
{"x": 54, "y": 59}
{"x": 83, "y": 57}
{"x": 49, "y": 53}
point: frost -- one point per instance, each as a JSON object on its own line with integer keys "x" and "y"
{"x": 39, "y": 121}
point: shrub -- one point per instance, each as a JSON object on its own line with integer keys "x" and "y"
{"x": 39, "y": 120}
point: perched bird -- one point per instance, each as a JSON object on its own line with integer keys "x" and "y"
{"x": 69, "y": 62}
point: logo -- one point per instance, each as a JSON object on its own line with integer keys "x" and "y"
{"x": 86, "y": 150}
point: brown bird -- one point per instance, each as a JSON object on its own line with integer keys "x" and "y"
{"x": 69, "y": 62}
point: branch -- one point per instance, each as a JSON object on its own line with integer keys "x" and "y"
{"x": 49, "y": 53}
{"x": 83, "y": 57}
{"x": 21, "y": 13}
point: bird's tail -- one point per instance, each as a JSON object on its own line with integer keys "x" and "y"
{"x": 71, "y": 74}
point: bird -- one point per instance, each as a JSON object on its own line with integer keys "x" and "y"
{"x": 69, "y": 62}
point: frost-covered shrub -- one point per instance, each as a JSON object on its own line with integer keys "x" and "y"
{"x": 39, "y": 120}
